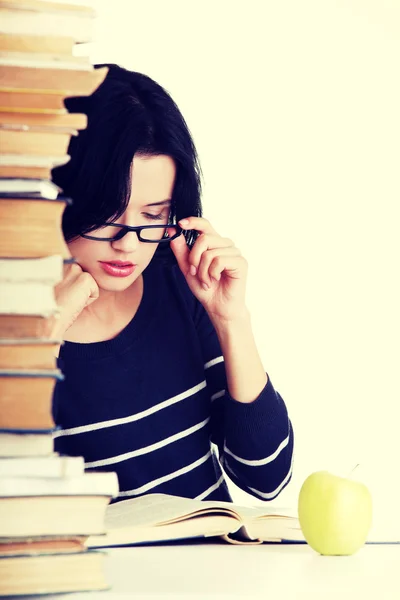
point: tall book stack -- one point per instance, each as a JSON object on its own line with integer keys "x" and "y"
{"x": 48, "y": 504}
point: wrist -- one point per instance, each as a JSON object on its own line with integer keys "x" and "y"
{"x": 238, "y": 323}
{"x": 245, "y": 373}
{"x": 58, "y": 327}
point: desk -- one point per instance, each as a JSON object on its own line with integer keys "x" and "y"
{"x": 218, "y": 571}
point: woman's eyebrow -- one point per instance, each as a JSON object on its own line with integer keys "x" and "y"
{"x": 164, "y": 202}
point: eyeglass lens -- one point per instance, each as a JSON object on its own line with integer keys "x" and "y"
{"x": 151, "y": 234}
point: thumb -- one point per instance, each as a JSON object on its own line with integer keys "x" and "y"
{"x": 181, "y": 252}
{"x": 92, "y": 289}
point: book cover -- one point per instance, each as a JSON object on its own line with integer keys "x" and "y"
{"x": 44, "y": 270}
{"x": 34, "y": 188}
{"x": 26, "y": 398}
{"x": 33, "y": 160}
{"x": 88, "y": 484}
{"x": 24, "y": 326}
{"x": 41, "y": 545}
{"x": 31, "y": 102}
{"x": 71, "y": 81}
{"x": 54, "y": 515}
{"x": 19, "y": 58}
{"x": 52, "y": 466}
{"x": 28, "y": 353}
{"x": 71, "y": 121}
{"x": 52, "y": 573}
{"x": 29, "y": 442}
{"x": 27, "y": 285}
{"x": 38, "y": 129}
{"x": 27, "y": 298}
{"x": 34, "y": 142}
{"x": 31, "y": 227}
{"x": 37, "y": 43}
{"x": 26, "y": 172}
{"x": 33, "y": 17}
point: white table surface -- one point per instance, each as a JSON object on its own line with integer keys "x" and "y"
{"x": 215, "y": 571}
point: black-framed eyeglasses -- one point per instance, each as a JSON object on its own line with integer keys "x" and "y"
{"x": 152, "y": 234}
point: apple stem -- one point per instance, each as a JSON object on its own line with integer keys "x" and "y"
{"x": 353, "y": 469}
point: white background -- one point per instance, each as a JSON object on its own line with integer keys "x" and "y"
{"x": 295, "y": 111}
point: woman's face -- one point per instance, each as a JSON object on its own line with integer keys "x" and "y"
{"x": 153, "y": 179}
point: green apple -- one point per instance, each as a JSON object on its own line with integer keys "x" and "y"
{"x": 335, "y": 513}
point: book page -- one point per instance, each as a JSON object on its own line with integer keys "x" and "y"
{"x": 160, "y": 509}
{"x": 201, "y": 526}
{"x": 265, "y": 512}
{"x": 156, "y": 517}
{"x": 275, "y": 529}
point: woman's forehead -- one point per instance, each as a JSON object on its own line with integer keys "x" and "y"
{"x": 153, "y": 179}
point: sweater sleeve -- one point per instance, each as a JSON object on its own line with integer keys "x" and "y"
{"x": 255, "y": 440}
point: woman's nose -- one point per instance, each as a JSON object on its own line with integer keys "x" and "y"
{"x": 128, "y": 243}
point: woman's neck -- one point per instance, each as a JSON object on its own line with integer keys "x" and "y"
{"x": 107, "y": 316}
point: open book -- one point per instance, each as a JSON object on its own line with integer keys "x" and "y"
{"x": 160, "y": 517}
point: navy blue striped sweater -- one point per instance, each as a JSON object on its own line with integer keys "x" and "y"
{"x": 152, "y": 404}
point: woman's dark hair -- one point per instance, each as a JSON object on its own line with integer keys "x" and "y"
{"x": 128, "y": 114}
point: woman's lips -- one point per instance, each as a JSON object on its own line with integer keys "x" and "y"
{"x": 118, "y": 268}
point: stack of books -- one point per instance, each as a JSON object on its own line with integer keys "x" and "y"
{"x": 38, "y": 70}
{"x": 48, "y": 504}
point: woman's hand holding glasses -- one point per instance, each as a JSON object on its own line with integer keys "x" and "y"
{"x": 215, "y": 271}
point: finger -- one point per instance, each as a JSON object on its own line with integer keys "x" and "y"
{"x": 72, "y": 270}
{"x": 208, "y": 258}
{"x": 70, "y": 274}
{"x": 198, "y": 223}
{"x": 89, "y": 286}
{"x": 234, "y": 266}
{"x": 70, "y": 266}
{"x": 94, "y": 290}
{"x": 207, "y": 242}
{"x": 66, "y": 269}
{"x": 181, "y": 252}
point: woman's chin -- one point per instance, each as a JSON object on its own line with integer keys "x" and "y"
{"x": 109, "y": 283}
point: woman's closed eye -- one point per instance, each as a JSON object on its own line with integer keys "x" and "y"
{"x": 160, "y": 217}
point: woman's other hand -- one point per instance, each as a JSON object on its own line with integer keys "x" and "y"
{"x": 214, "y": 269}
{"x": 75, "y": 292}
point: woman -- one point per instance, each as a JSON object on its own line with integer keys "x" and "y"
{"x": 159, "y": 358}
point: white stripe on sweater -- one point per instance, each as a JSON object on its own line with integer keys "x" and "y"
{"x": 217, "y": 395}
{"x": 155, "y": 482}
{"x": 210, "y": 489}
{"x": 146, "y": 449}
{"x": 270, "y": 495}
{"x": 263, "y": 495}
{"x": 213, "y": 362}
{"x": 261, "y": 461}
{"x": 131, "y": 418}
